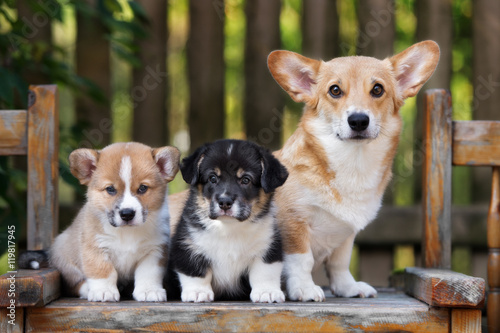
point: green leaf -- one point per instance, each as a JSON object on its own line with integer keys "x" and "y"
{"x": 139, "y": 12}
{"x": 113, "y": 6}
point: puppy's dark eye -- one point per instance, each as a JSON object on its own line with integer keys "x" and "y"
{"x": 111, "y": 190}
{"x": 212, "y": 179}
{"x": 142, "y": 189}
{"x": 377, "y": 90}
{"x": 245, "y": 180}
{"x": 335, "y": 91}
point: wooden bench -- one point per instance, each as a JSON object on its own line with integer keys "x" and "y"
{"x": 434, "y": 299}
{"x": 35, "y": 133}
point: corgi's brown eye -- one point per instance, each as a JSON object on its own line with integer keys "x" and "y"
{"x": 111, "y": 190}
{"x": 377, "y": 90}
{"x": 335, "y": 91}
{"x": 245, "y": 180}
{"x": 142, "y": 189}
{"x": 213, "y": 179}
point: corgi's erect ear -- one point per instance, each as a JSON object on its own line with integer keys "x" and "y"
{"x": 167, "y": 160}
{"x": 414, "y": 66}
{"x": 296, "y": 74}
{"x": 82, "y": 163}
{"x": 190, "y": 166}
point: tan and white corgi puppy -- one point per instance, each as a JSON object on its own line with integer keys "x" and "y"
{"x": 121, "y": 234}
{"x": 340, "y": 157}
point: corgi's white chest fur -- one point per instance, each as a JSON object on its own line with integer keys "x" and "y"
{"x": 127, "y": 246}
{"x": 232, "y": 246}
{"x": 359, "y": 170}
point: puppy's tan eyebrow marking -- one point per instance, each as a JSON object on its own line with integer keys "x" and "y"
{"x": 217, "y": 171}
{"x": 240, "y": 173}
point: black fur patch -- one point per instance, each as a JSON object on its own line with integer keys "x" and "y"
{"x": 216, "y": 170}
{"x": 26, "y": 259}
{"x": 275, "y": 251}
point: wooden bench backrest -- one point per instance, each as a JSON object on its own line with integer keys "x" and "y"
{"x": 35, "y": 133}
{"x": 466, "y": 143}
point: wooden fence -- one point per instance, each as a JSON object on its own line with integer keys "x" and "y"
{"x": 204, "y": 76}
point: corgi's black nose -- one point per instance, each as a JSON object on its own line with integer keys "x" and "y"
{"x": 127, "y": 214}
{"x": 225, "y": 202}
{"x": 358, "y": 121}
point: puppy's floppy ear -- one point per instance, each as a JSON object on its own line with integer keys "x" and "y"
{"x": 274, "y": 174}
{"x": 296, "y": 74}
{"x": 82, "y": 163}
{"x": 190, "y": 166}
{"x": 414, "y": 66}
{"x": 167, "y": 160}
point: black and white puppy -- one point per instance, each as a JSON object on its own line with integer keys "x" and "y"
{"x": 227, "y": 244}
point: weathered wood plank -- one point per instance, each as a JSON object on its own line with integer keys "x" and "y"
{"x": 13, "y": 129}
{"x": 465, "y": 321}
{"x": 32, "y": 287}
{"x": 476, "y": 143}
{"x": 443, "y": 288}
{"x": 493, "y": 309}
{"x": 436, "y": 188}
{"x": 394, "y": 312}
{"x": 12, "y": 321}
{"x": 43, "y": 166}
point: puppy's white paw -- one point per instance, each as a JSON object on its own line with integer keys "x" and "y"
{"x": 306, "y": 293}
{"x": 149, "y": 294}
{"x": 267, "y": 296}
{"x": 103, "y": 294}
{"x": 356, "y": 289}
{"x": 197, "y": 295}
{"x": 83, "y": 292}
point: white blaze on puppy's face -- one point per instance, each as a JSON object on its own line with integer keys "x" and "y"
{"x": 130, "y": 182}
{"x": 130, "y": 206}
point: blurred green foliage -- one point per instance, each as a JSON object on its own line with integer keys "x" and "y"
{"x": 125, "y": 22}
{"x": 23, "y": 55}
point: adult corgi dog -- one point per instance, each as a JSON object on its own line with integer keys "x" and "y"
{"x": 340, "y": 157}
{"x": 226, "y": 244}
{"x": 121, "y": 234}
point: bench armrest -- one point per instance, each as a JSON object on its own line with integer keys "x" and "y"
{"x": 444, "y": 288}
{"x": 31, "y": 287}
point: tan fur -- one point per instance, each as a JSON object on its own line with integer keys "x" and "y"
{"x": 176, "y": 204}
{"x": 79, "y": 252}
{"x": 318, "y": 190}
{"x": 259, "y": 203}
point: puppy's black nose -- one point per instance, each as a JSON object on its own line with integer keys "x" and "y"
{"x": 225, "y": 202}
{"x": 358, "y": 121}
{"x": 127, "y": 214}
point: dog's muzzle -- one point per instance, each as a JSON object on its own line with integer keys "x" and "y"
{"x": 358, "y": 122}
{"x": 127, "y": 214}
{"x": 225, "y": 202}
{"x": 227, "y": 205}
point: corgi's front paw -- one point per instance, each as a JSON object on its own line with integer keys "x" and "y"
{"x": 356, "y": 289}
{"x": 197, "y": 295}
{"x": 103, "y": 294}
{"x": 150, "y": 294}
{"x": 306, "y": 292}
{"x": 267, "y": 296}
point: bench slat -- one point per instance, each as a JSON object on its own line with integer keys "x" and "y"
{"x": 388, "y": 312}
{"x": 43, "y": 166}
{"x": 476, "y": 143}
{"x": 13, "y": 127}
{"x": 444, "y": 288}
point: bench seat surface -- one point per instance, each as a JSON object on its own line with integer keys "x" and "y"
{"x": 389, "y": 311}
